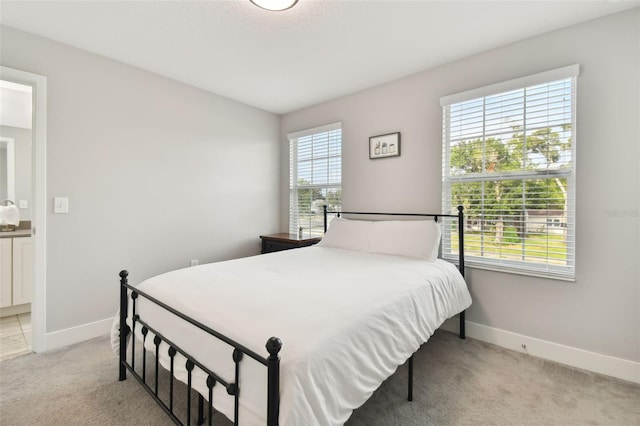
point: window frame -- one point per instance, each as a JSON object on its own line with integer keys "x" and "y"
{"x": 311, "y": 229}
{"x": 523, "y": 266}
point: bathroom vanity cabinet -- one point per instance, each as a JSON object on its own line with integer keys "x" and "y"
{"x": 16, "y": 271}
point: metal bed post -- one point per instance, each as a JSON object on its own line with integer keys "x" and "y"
{"x": 200, "y": 410}
{"x": 124, "y": 328}
{"x": 273, "y": 381}
{"x": 410, "y": 391}
{"x": 325, "y": 217}
{"x": 461, "y": 263}
{"x": 211, "y": 382}
{"x": 189, "y": 365}
{"x": 234, "y": 388}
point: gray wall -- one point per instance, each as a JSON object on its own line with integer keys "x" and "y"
{"x": 157, "y": 173}
{"x": 599, "y": 312}
{"x": 22, "y": 139}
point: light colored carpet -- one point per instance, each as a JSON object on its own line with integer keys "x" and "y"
{"x": 457, "y": 382}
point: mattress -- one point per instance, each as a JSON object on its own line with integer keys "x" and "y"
{"x": 347, "y": 320}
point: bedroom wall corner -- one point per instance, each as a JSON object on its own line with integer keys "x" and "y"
{"x": 600, "y": 312}
{"x": 157, "y": 173}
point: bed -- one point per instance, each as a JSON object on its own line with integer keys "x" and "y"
{"x": 346, "y": 314}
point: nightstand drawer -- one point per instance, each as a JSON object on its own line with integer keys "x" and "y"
{"x": 271, "y": 246}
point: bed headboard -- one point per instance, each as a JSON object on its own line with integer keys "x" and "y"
{"x": 435, "y": 216}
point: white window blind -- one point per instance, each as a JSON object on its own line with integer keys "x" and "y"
{"x": 509, "y": 159}
{"x": 315, "y": 177}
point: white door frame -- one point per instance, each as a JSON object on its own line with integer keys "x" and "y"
{"x": 39, "y": 218}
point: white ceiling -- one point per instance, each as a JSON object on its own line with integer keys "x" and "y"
{"x": 284, "y": 61}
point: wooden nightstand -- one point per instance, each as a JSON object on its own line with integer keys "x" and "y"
{"x": 284, "y": 241}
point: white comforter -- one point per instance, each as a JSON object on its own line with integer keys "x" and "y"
{"x": 347, "y": 320}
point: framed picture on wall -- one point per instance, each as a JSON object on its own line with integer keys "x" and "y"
{"x": 384, "y": 146}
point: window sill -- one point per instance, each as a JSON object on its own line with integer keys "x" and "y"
{"x": 512, "y": 271}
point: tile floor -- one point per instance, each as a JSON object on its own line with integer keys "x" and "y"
{"x": 15, "y": 336}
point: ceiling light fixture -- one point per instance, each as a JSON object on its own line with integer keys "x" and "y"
{"x": 275, "y": 4}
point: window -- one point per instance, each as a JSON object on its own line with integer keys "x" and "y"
{"x": 509, "y": 159}
{"x": 315, "y": 177}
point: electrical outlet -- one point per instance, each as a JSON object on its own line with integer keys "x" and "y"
{"x": 195, "y": 262}
{"x": 23, "y": 204}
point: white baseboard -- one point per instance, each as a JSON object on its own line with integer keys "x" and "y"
{"x": 77, "y": 334}
{"x": 15, "y": 310}
{"x": 591, "y": 361}
{"x": 598, "y": 363}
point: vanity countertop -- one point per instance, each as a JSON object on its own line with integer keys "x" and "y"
{"x": 24, "y": 230}
{"x": 16, "y": 234}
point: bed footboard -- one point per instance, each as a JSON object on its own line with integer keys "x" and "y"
{"x": 272, "y": 363}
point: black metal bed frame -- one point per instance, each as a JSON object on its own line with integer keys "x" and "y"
{"x": 273, "y": 345}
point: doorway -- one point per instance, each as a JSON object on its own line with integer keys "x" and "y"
{"x": 28, "y": 247}
{"x": 16, "y": 286}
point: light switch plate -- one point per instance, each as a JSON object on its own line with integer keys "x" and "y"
{"x": 61, "y": 205}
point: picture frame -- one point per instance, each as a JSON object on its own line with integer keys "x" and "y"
{"x": 384, "y": 146}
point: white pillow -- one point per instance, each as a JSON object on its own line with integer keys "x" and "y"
{"x": 418, "y": 239}
{"x": 348, "y": 234}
